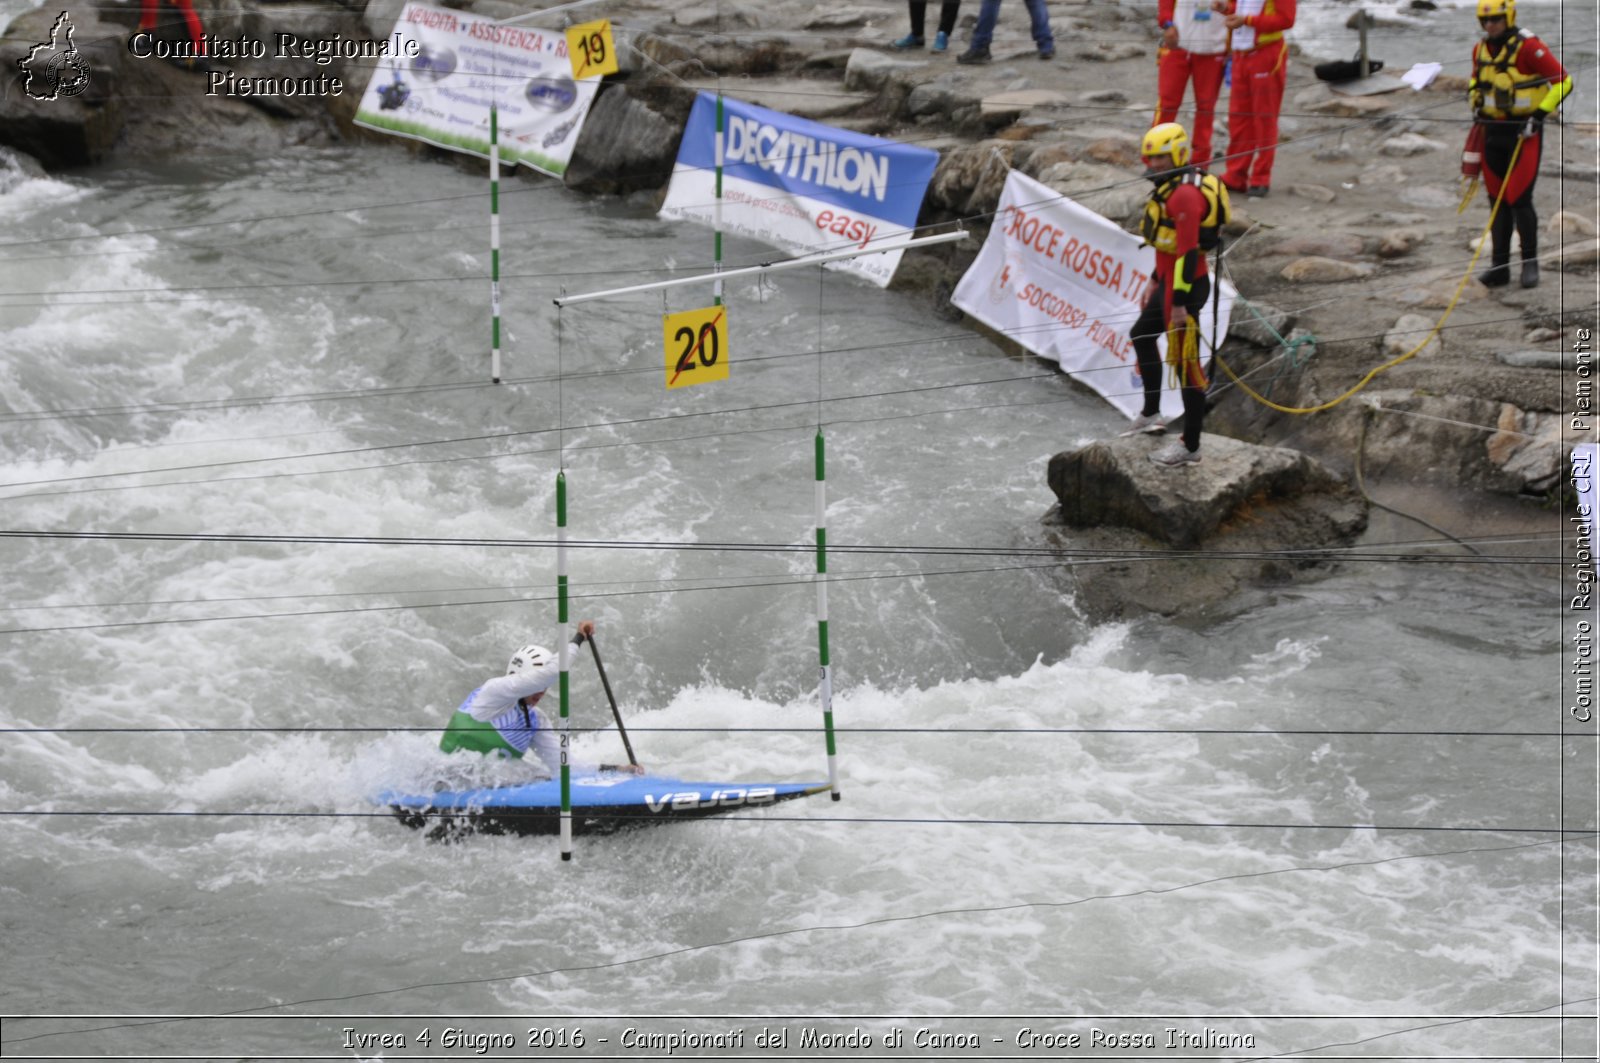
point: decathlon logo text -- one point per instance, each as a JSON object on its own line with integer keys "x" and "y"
{"x": 820, "y": 162}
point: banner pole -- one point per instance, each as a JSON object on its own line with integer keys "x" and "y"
{"x": 716, "y": 211}
{"x": 825, "y": 686}
{"x": 566, "y": 662}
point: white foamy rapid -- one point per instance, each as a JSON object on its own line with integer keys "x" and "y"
{"x": 1042, "y": 818}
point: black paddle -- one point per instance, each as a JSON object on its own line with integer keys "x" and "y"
{"x": 613, "y": 699}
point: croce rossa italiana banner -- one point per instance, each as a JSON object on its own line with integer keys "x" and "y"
{"x": 1067, "y": 284}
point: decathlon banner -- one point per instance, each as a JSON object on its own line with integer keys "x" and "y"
{"x": 1067, "y": 284}
{"x": 443, "y": 69}
{"x": 800, "y": 185}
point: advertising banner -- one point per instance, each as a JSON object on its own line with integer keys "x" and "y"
{"x": 445, "y": 68}
{"x": 1067, "y": 284}
{"x": 800, "y": 185}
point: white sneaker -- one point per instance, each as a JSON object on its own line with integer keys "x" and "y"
{"x": 1149, "y": 423}
{"x": 1175, "y": 453}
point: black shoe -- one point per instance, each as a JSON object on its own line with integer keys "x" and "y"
{"x": 1495, "y": 277}
{"x": 1257, "y": 192}
{"x": 974, "y": 55}
{"x": 1047, "y": 52}
{"x": 1530, "y": 273}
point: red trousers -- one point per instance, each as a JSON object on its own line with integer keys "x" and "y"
{"x": 1498, "y": 148}
{"x": 1258, "y": 80}
{"x": 1174, "y": 68}
{"x": 147, "y": 20}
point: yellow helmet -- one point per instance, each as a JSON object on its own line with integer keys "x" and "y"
{"x": 1169, "y": 139}
{"x": 1506, "y": 9}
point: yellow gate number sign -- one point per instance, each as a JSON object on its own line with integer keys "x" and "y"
{"x": 591, "y": 49}
{"x": 697, "y": 346}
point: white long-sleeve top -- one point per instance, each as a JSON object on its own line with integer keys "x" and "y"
{"x": 495, "y": 703}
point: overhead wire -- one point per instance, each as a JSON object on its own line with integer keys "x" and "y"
{"x": 962, "y": 733}
{"x": 1057, "y": 561}
{"x": 781, "y": 361}
{"x": 743, "y": 940}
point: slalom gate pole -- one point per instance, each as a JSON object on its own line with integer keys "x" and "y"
{"x": 825, "y": 686}
{"x": 566, "y": 663}
{"x": 494, "y": 239}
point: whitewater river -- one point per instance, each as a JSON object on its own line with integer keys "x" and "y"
{"x": 1326, "y": 814}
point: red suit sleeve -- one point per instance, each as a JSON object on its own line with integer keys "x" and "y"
{"x": 1535, "y": 57}
{"x": 1276, "y": 21}
{"x": 1166, "y": 11}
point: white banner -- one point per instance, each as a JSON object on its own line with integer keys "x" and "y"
{"x": 446, "y": 66}
{"x": 800, "y": 185}
{"x": 1067, "y": 284}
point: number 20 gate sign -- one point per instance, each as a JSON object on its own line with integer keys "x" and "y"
{"x": 1067, "y": 284}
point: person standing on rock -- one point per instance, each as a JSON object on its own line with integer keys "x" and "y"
{"x": 1194, "y": 45}
{"x": 1260, "y": 58}
{"x": 1517, "y": 82}
{"x": 948, "y": 11}
{"x": 983, "y": 32}
{"x": 1178, "y": 289}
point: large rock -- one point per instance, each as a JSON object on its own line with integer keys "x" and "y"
{"x": 872, "y": 70}
{"x": 627, "y": 143}
{"x": 67, "y": 127}
{"x": 1259, "y": 323}
{"x": 1106, "y": 190}
{"x": 1113, "y": 483}
{"x": 1412, "y": 332}
{"x": 968, "y": 180}
{"x": 1249, "y": 516}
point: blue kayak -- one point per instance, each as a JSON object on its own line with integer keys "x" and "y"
{"x": 604, "y": 802}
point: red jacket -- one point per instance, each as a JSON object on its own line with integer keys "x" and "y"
{"x": 1277, "y": 16}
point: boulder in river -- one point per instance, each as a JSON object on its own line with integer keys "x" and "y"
{"x": 1185, "y": 538}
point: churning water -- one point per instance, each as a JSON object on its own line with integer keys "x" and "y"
{"x": 1090, "y": 831}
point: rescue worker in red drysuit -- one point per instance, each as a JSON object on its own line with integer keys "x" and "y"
{"x": 1517, "y": 83}
{"x": 147, "y": 21}
{"x": 1194, "y": 46}
{"x": 1260, "y": 58}
{"x": 1179, "y": 288}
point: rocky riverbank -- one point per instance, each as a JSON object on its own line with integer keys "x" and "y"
{"x": 1345, "y": 266}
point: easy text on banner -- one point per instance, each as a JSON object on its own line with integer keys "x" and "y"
{"x": 800, "y": 185}
{"x": 1067, "y": 284}
{"x": 448, "y": 65}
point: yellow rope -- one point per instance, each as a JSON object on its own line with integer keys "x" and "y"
{"x": 1364, "y": 381}
{"x": 1183, "y": 355}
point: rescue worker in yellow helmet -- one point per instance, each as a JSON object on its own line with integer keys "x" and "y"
{"x": 1179, "y": 288}
{"x": 1517, "y": 82}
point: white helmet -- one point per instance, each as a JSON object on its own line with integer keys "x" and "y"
{"x": 527, "y": 659}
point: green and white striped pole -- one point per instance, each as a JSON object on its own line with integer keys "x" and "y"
{"x": 825, "y": 689}
{"x": 494, "y": 240}
{"x": 566, "y": 661}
